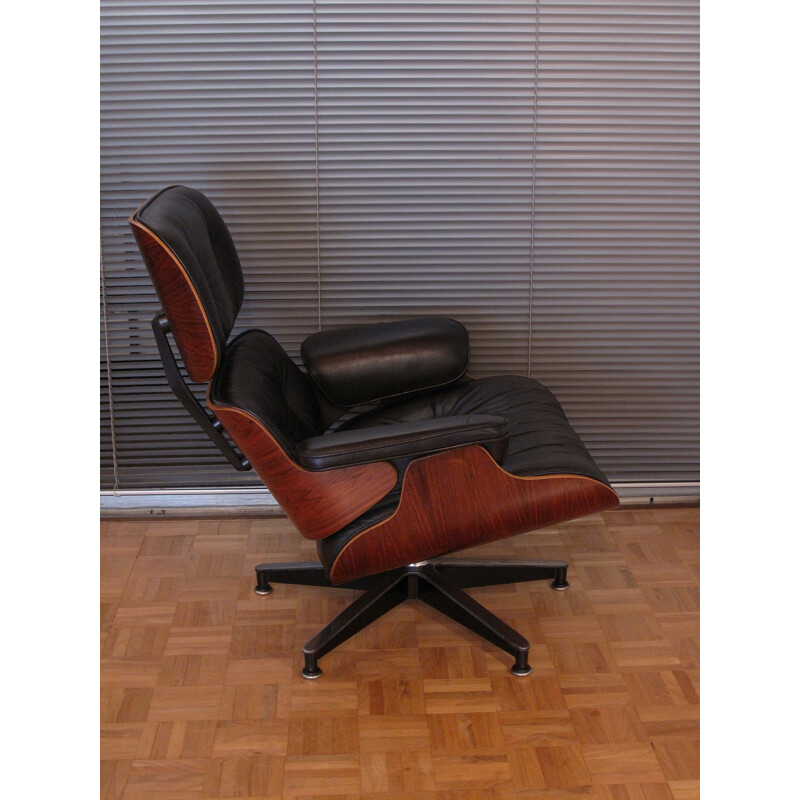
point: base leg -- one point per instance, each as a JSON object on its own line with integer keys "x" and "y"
{"x": 303, "y": 573}
{"x": 467, "y": 573}
{"x": 386, "y": 593}
{"x": 438, "y": 592}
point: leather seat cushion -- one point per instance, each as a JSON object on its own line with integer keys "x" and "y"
{"x": 541, "y": 440}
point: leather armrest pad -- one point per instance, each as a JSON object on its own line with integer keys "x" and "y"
{"x": 367, "y": 363}
{"x": 404, "y": 440}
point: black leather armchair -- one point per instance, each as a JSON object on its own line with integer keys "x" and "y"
{"x": 384, "y": 450}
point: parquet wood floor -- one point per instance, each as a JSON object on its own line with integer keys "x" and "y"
{"x": 201, "y": 695}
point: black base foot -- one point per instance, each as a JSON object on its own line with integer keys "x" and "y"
{"x": 560, "y": 582}
{"x": 311, "y": 674}
{"x": 521, "y": 666}
{"x": 439, "y": 584}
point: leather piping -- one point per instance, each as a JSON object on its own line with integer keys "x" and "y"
{"x": 133, "y": 221}
{"x": 494, "y": 463}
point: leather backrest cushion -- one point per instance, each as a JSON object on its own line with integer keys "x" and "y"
{"x": 256, "y": 375}
{"x": 187, "y": 222}
{"x": 366, "y": 363}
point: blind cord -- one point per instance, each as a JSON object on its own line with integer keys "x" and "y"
{"x": 108, "y": 372}
{"x": 533, "y": 186}
{"x": 316, "y": 167}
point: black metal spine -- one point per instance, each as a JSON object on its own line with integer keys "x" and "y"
{"x": 205, "y": 419}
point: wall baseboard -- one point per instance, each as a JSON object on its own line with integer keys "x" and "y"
{"x": 260, "y": 503}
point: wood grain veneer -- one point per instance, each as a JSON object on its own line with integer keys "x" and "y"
{"x": 181, "y": 304}
{"x": 460, "y": 498}
{"x": 319, "y": 502}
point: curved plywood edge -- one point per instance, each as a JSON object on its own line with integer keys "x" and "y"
{"x": 462, "y": 498}
{"x": 181, "y": 304}
{"x": 318, "y": 503}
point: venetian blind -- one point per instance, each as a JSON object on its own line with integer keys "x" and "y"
{"x": 616, "y": 237}
{"x": 218, "y": 96}
{"x": 439, "y": 167}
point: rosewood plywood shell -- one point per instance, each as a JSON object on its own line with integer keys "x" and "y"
{"x": 461, "y": 498}
{"x": 318, "y": 503}
{"x": 180, "y": 302}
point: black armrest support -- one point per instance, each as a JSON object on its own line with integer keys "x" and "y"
{"x": 366, "y": 363}
{"x": 404, "y": 440}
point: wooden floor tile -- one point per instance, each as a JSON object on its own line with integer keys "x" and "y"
{"x": 194, "y": 669}
{"x": 388, "y": 734}
{"x": 671, "y": 722}
{"x": 582, "y": 658}
{"x": 251, "y": 736}
{"x": 537, "y": 728}
{"x": 477, "y": 772}
{"x": 120, "y": 740}
{"x": 167, "y": 779}
{"x": 118, "y": 704}
{"x": 622, "y": 763}
{"x": 255, "y": 775}
{"x": 201, "y": 695}
{"x": 685, "y": 790}
{"x": 453, "y": 662}
{"x": 397, "y": 771}
{"x": 679, "y": 758}
{"x": 631, "y": 791}
{"x": 385, "y": 696}
{"x": 139, "y": 642}
{"x": 453, "y": 696}
{"x": 176, "y": 740}
{"x": 562, "y": 766}
{"x": 322, "y": 736}
{"x": 185, "y": 702}
{"x": 581, "y": 629}
{"x": 593, "y": 690}
{"x": 258, "y": 702}
{"x": 608, "y": 724}
{"x": 113, "y": 778}
{"x": 645, "y": 655}
{"x": 465, "y": 732}
{"x": 321, "y": 776}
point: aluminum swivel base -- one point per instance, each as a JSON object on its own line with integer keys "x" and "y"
{"x": 440, "y": 584}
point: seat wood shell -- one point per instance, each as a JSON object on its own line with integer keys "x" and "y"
{"x": 460, "y": 498}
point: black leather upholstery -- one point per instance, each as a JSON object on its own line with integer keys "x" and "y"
{"x": 187, "y": 222}
{"x": 257, "y": 375}
{"x": 540, "y": 439}
{"x": 404, "y": 440}
{"x": 367, "y": 363}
